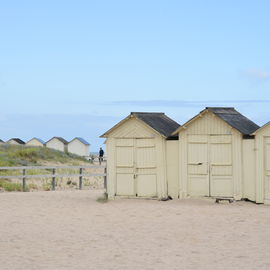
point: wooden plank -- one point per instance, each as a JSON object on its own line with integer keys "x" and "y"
{"x": 80, "y": 178}
{"x": 50, "y": 175}
{"x": 24, "y": 180}
{"x": 105, "y": 179}
{"x": 52, "y": 167}
{"x": 53, "y": 179}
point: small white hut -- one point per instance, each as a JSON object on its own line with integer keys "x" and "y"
{"x": 79, "y": 146}
{"x": 35, "y": 142}
{"x": 57, "y": 143}
{"x": 211, "y": 153}
{"x": 16, "y": 141}
{"x": 136, "y": 155}
{"x": 261, "y": 174}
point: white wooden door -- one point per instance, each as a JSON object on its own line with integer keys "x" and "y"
{"x": 198, "y": 167}
{"x": 267, "y": 168}
{"x": 136, "y": 172}
{"x": 146, "y": 168}
{"x": 210, "y": 165}
{"x": 125, "y": 167}
{"x": 221, "y": 173}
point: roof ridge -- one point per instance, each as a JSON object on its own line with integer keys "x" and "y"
{"x": 158, "y": 121}
{"x": 59, "y": 138}
{"x": 81, "y": 139}
{"x": 147, "y": 113}
{"x": 219, "y": 108}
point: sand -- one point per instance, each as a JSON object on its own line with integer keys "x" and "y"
{"x": 71, "y": 230}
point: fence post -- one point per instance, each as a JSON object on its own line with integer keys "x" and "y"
{"x": 105, "y": 178}
{"x": 80, "y": 178}
{"x": 24, "y": 181}
{"x": 53, "y": 179}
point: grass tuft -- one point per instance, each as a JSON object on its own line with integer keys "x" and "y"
{"x": 103, "y": 198}
{"x": 17, "y": 155}
{"x": 9, "y": 186}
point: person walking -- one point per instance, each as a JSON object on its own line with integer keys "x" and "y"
{"x": 101, "y": 154}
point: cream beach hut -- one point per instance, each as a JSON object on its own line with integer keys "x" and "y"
{"x": 136, "y": 155}
{"x": 261, "y": 170}
{"x": 211, "y": 153}
{"x": 16, "y": 141}
{"x": 57, "y": 143}
{"x": 35, "y": 142}
{"x": 79, "y": 146}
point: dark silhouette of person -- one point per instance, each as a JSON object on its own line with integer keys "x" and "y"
{"x": 101, "y": 154}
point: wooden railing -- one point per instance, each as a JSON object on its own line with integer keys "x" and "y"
{"x": 54, "y": 173}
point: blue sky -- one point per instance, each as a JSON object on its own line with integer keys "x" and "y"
{"x": 75, "y": 68}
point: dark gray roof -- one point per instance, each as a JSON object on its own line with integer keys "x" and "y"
{"x": 235, "y": 119}
{"x": 158, "y": 121}
{"x": 17, "y": 140}
{"x": 81, "y": 140}
{"x": 60, "y": 139}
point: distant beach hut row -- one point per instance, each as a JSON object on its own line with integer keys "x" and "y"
{"x": 78, "y": 145}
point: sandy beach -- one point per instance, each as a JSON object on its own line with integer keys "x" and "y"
{"x": 71, "y": 230}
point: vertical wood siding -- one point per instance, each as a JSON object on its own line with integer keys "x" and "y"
{"x": 172, "y": 159}
{"x": 136, "y": 161}
{"x": 249, "y": 183}
{"x": 262, "y": 150}
{"x": 208, "y": 124}
{"x": 210, "y": 158}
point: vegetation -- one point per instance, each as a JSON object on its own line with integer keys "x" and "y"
{"x": 9, "y": 186}
{"x": 13, "y": 155}
{"x": 103, "y": 198}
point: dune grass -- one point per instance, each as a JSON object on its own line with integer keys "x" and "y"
{"x": 13, "y": 155}
{"x": 9, "y": 186}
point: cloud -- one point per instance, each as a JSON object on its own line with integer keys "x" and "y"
{"x": 257, "y": 74}
{"x": 184, "y": 103}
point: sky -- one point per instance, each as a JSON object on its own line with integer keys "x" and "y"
{"x": 76, "y": 68}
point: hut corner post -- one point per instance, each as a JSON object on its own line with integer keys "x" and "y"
{"x": 105, "y": 179}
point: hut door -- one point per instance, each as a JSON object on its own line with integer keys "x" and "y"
{"x": 125, "y": 167}
{"x": 221, "y": 176}
{"x": 136, "y": 167}
{"x": 145, "y": 168}
{"x": 267, "y": 167}
{"x": 198, "y": 167}
{"x": 210, "y": 165}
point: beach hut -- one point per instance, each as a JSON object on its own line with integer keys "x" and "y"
{"x": 79, "y": 146}
{"x": 211, "y": 153}
{"x": 35, "y": 142}
{"x": 261, "y": 185}
{"x": 136, "y": 155}
{"x": 16, "y": 141}
{"x": 57, "y": 143}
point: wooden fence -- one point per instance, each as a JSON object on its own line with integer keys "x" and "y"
{"x": 54, "y": 173}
